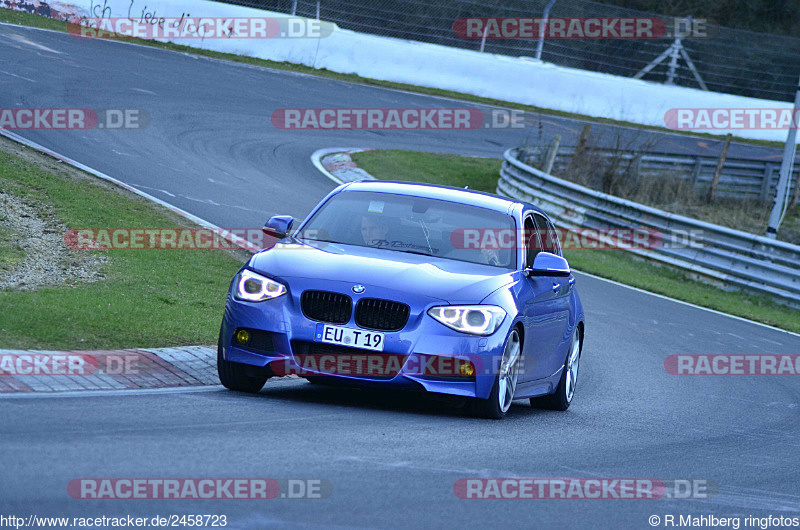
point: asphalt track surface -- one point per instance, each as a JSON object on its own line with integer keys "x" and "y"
{"x": 392, "y": 459}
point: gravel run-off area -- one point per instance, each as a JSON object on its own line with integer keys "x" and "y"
{"x": 48, "y": 261}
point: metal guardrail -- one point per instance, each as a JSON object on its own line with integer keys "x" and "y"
{"x": 714, "y": 254}
{"x": 740, "y": 178}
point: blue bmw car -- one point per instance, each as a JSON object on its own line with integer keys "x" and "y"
{"x": 410, "y": 286}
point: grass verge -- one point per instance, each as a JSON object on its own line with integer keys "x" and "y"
{"x": 149, "y": 298}
{"x": 27, "y": 19}
{"x": 481, "y": 174}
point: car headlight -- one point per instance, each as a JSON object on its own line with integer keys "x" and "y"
{"x": 474, "y": 319}
{"x": 253, "y": 287}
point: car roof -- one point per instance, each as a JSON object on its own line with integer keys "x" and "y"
{"x": 432, "y": 191}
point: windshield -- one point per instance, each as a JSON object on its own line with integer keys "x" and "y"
{"x": 403, "y": 223}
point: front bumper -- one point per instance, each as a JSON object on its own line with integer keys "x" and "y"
{"x": 429, "y": 353}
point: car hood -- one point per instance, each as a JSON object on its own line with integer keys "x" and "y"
{"x": 455, "y": 282}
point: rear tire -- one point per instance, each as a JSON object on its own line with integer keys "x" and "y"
{"x": 562, "y": 398}
{"x": 502, "y": 394}
{"x": 240, "y": 377}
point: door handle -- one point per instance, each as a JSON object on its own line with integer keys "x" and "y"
{"x": 572, "y": 281}
{"x": 556, "y": 287}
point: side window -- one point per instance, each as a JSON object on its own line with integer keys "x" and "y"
{"x": 532, "y": 238}
{"x": 547, "y": 234}
{"x": 552, "y": 236}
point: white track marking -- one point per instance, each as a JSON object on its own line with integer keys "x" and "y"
{"x": 18, "y": 76}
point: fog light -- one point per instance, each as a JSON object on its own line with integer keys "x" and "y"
{"x": 242, "y": 336}
{"x": 467, "y": 369}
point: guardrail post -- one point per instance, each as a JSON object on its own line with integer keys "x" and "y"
{"x": 698, "y": 164}
{"x": 583, "y": 140}
{"x": 713, "y": 191}
{"x": 551, "y": 155}
{"x": 796, "y": 192}
{"x": 769, "y": 171}
{"x": 787, "y": 165}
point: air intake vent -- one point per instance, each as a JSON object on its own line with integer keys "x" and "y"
{"x": 326, "y": 306}
{"x": 383, "y": 315}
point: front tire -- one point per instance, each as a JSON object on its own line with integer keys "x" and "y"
{"x": 505, "y": 384}
{"x": 239, "y": 377}
{"x": 562, "y": 398}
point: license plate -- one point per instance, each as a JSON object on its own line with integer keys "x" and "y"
{"x": 355, "y": 338}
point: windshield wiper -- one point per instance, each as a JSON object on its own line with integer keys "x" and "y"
{"x": 419, "y": 252}
{"x": 319, "y": 240}
{"x": 427, "y": 234}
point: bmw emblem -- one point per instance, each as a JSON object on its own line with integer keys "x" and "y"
{"x": 358, "y": 289}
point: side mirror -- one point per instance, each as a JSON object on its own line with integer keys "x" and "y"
{"x": 547, "y": 264}
{"x": 278, "y": 225}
